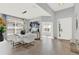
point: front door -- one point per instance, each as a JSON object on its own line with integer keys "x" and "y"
{"x": 65, "y": 28}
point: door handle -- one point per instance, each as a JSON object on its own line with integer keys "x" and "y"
{"x": 60, "y": 29}
{"x": 76, "y": 24}
{"x": 76, "y": 21}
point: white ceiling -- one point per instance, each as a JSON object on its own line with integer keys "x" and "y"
{"x": 60, "y": 6}
{"x": 16, "y": 9}
{"x": 33, "y": 10}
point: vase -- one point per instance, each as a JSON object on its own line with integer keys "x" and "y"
{"x": 1, "y": 37}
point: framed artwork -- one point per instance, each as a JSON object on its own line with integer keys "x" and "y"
{"x": 34, "y": 26}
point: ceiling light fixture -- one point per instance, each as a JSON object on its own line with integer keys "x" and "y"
{"x": 25, "y": 11}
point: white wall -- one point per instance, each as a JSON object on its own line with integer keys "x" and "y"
{"x": 76, "y": 34}
{"x": 69, "y": 12}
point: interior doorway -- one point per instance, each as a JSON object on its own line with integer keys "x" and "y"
{"x": 64, "y": 28}
{"x": 47, "y": 30}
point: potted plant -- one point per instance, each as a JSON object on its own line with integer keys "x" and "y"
{"x": 2, "y": 29}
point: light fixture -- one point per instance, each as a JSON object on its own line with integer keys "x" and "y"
{"x": 25, "y": 11}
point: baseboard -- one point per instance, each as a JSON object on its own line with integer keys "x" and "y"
{"x": 65, "y": 39}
